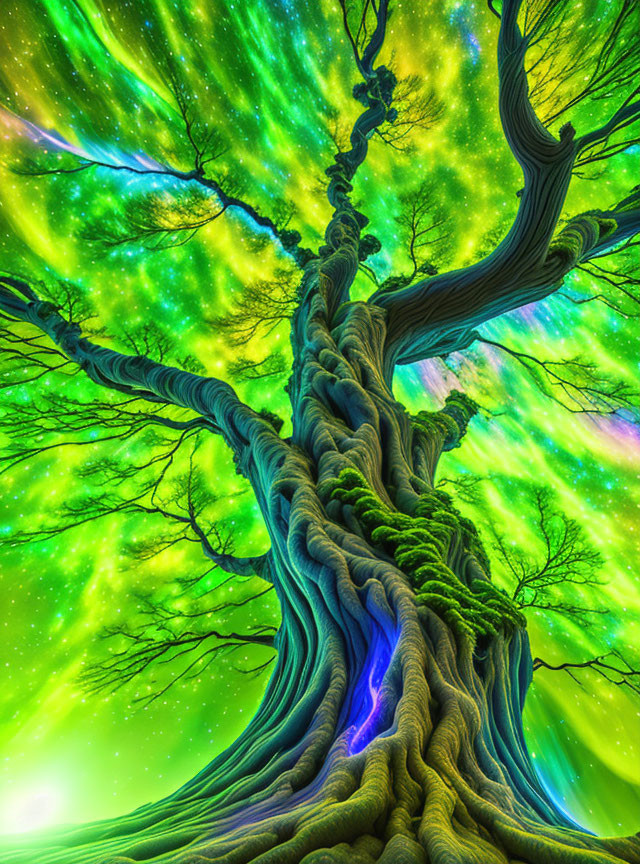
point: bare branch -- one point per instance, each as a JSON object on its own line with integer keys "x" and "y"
{"x": 206, "y": 142}
{"x": 618, "y": 671}
{"x": 567, "y": 560}
{"x": 259, "y": 308}
{"x": 157, "y": 220}
{"x": 153, "y": 484}
{"x": 338, "y": 131}
{"x": 170, "y": 218}
{"x": 55, "y": 421}
{"x": 576, "y": 384}
{"x": 466, "y": 487}
{"x": 616, "y": 284}
{"x": 271, "y": 366}
{"x": 416, "y": 110}
{"x": 172, "y": 640}
{"x": 567, "y": 67}
{"x": 423, "y": 223}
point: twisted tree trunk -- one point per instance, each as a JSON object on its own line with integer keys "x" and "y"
{"x": 391, "y": 730}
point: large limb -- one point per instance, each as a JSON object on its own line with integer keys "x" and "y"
{"x": 149, "y": 484}
{"x": 436, "y": 314}
{"x": 624, "y": 225}
{"x": 585, "y": 237}
{"x": 211, "y": 399}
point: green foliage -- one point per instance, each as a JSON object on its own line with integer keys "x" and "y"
{"x": 419, "y": 544}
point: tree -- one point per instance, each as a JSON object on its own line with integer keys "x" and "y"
{"x": 391, "y": 728}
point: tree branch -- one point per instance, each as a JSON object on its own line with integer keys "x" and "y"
{"x": 213, "y": 400}
{"x": 582, "y": 388}
{"x": 259, "y": 307}
{"x": 55, "y": 421}
{"x": 344, "y": 248}
{"x": 618, "y": 285}
{"x": 125, "y": 487}
{"x": 569, "y": 67}
{"x": 416, "y": 109}
{"x": 153, "y": 219}
{"x": 169, "y": 637}
{"x": 595, "y": 146}
{"x": 435, "y": 432}
{"x": 567, "y": 560}
{"x": 420, "y": 317}
{"x": 622, "y": 675}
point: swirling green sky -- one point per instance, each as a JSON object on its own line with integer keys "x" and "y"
{"x": 84, "y": 77}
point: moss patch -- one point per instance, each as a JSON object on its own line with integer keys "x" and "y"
{"x": 449, "y": 424}
{"x": 419, "y": 543}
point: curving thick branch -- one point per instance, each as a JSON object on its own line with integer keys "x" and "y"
{"x": 421, "y": 315}
{"x": 530, "y": 263}
{"x": 212, "y": 400}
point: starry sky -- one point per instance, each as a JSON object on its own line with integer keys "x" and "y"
{"x": 88, "y": 79}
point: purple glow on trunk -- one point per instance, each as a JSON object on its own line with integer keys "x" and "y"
{"x": 367, "y": 714}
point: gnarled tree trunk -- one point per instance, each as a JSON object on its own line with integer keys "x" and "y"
{"x": 391, "y": 730}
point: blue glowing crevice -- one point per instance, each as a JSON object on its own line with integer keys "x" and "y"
{"x": 367, "y": 703}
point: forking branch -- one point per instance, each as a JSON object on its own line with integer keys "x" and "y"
{"x": 576, "y": 383}
{"x": 171, "y": 640}
{"x": 612, "y": 667}
{"x": 419, "y": 314}
{"x": 173, "y": 216}
{"x": 567, "y": 559}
